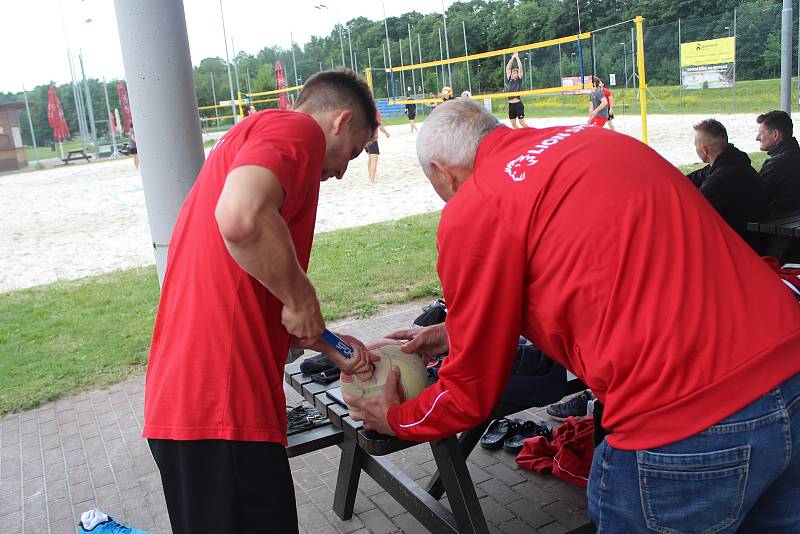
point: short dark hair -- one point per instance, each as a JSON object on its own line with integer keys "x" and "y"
{"x": 777, "y": 120}
{"x": 338, "y": 89}
{"x": 712, "y": 128}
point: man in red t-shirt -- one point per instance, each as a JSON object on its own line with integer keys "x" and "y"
{"x": 235, "y": 298}
{"x": 620, "y": 270}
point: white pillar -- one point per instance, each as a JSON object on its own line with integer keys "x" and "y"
{"x": 158, "y": 69}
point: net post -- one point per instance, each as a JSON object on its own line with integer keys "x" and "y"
{"x": 368, "y": 76}
{"x": 642, "y": 80}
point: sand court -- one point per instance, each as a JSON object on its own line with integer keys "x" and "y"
{"x": 77, "y": 221}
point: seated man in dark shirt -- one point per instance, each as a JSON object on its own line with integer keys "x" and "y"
{"x": 781, "y": 172}
{"x": 729, "y": 182}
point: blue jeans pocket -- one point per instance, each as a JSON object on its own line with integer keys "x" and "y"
{"x": 693, "y": 493}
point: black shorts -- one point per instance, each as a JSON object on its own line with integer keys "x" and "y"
{"x": 412, "y": 114}
{"x": 611, "y": 116}
{"x": 231, "y": 486}
{"x": 133, "y": 150}
{"x": 372, "y": 148}
{"x": 516, "y": 110}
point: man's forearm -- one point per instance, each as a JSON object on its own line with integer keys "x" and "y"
{"x": 268, "y": 255}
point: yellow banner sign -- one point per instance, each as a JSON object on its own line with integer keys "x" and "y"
{"x": 711, "y": 52}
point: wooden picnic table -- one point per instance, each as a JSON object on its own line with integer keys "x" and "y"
{"x": 75, "y": 154}
{"x": 780, "y": 234}
{"x": 365, "y": 450}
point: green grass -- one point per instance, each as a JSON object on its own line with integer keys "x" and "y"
{"x": 74, "y": 336}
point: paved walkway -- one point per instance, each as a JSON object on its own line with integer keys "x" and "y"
{"x": 87, "y": 451}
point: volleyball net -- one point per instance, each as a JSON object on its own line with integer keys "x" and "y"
{"x": 557, "y": 68}
{"x": 560, "y": 68}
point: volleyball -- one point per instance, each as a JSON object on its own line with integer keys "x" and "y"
{"x": 413, "y": 376}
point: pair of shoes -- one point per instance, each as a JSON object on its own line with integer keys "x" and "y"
{"x": 577, "y": 406}
{"x": 97, "y": 522}
{"x": 529, "y": 429}
{"x": 510, "y": 434}
{"x": 498, "y": 431}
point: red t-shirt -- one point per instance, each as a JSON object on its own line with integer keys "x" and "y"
{"x": 607, "y": 93}
{"x": 617, "y": 268}
{"x": 219, "y": 348}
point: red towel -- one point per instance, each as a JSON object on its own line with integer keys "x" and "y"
{"x": 568, "y": 455}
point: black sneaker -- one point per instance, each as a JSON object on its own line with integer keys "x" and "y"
{"x": 529, "y": 429}
{"x": 577, "y": 406}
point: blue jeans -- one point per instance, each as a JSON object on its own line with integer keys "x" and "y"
{"x": 742, "y": 474}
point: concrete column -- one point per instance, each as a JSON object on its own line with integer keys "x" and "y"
{"x": 158, "y": 69}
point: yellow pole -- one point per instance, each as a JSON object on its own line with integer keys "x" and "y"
{"x": 642, "y": 80}
{"x": 239, "y": 98}
{"x": 368, "y": 76}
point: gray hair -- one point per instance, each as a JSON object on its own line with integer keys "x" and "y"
{"x": 452, "y": 133}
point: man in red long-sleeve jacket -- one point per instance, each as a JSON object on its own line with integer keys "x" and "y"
{"x": 619, "y": 269}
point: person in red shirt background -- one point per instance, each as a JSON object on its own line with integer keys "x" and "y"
{"x": 235, "y": 298}
{"x": 621, "y": 271}
{"x": 610, "y": 99}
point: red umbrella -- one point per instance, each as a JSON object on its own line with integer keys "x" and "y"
{"x": 125, "y": 106}
{"x": 55, "y": 116}
{"x": 280, "y": 77}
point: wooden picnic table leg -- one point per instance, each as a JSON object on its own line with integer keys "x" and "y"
{"x": 347, "y": 480}
{"x": 459, "y": 487}
{"x": 466, "y": 442}
{"x": 779, "y": 247}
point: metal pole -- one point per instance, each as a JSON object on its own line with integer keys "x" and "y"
{"x": 625, "y": 61}
{"x": 82, "y": 126}
{"x": 75, "y": 90}
{"x": 466, "y": 53}
{"x": 214, "y": 96}
{"x": 350, "y": 45}
{"x": 560, "y": 75}
{"x": 633, "y": 67}
{"x": 402, "y": 72}
{"x": 642, "y": 78}
{"x": 680, "y": 69}
{"x": 530, "y": 69}
{"x": 249, "y": 87}
{"x": 294, "y": 61}
{"x": 734, "y": 59}
{"x": 355, "y": 60}
{"x": 786, "y": 57}
{"x": 388, "y": 50}
{"x": 441, "y": 53}
{"x": 580, "y": 46}
{"x": 594, "y": 59}
{"x": 235, "y": 68}
{"x": 411, "y": 56}
{"x": 158, "y": 67}
{"x": 385, "y": 77}
{"x": 227, "y": 59}
{"x": 447, "y": 47}
{"x": 30, "y": 125}
{"x": 114, "y": 153}
{"x": 341, "y": 41}
{"x": 421, "y": 75}
{"x": 89, "y": 105}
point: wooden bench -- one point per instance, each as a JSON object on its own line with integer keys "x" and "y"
{"x": 76, "y": 154}
{"x": 781, "y": 233}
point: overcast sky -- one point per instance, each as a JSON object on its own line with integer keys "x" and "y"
{"x": 34, "y": 45}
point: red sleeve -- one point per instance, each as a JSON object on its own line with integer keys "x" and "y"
{"x": 288, "y": 144}
{"x": 481, "y": 267}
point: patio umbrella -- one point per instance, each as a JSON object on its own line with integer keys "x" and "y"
{"x": 125, "y": 106}
{"x": 117, "y": 122}
{"x": 55, "y": 116}
{"x": 280, "y": 77}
